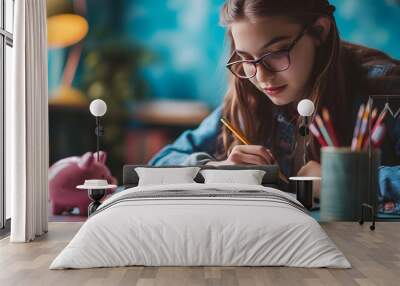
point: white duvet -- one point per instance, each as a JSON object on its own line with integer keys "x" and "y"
{"x": 183, "y": 231}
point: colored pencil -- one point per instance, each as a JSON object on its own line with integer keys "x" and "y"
{"x": 363, "y": 128}
{"x": 329, "y": 126}
{"x": 357, "y": 127}
{"x": 243, "y": 139}
{"x": 370, "y": 123}
{"x": 378, "y": 122}
{"x": 322, "y": 128}
{"x": 318, "y": 135}
{"x": 378, "y": 136}
{"x": 379, "y": 130}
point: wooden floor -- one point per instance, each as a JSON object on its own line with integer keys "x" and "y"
{"x": 375, "y": 256}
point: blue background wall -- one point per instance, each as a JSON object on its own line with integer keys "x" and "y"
{"x": 189, "y": 43}
{"x": 374, "y": 23}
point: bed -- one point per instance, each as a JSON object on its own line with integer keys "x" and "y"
{"x": 201, "y": 224}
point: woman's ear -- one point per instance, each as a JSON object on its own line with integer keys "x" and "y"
{"x": 321, "y": 29}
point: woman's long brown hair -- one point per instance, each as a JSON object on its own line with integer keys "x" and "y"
{"x": 335, "y": 75}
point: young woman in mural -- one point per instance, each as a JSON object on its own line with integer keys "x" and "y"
{"x": 300, "y": 55}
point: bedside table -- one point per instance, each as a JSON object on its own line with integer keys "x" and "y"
{"x": 304, "y": 190}
{"x": 97, "y": 190}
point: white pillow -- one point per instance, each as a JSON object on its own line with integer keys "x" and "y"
{"x": 249, "y": 177}
{"x": 162, "y": 176}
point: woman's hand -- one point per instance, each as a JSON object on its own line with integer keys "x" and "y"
{"x": 247, "y": 155}
{"x": 311, "y": 169}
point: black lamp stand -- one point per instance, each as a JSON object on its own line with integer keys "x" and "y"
{"x": 304, "y": 131}
{"x": 96, "y": 195}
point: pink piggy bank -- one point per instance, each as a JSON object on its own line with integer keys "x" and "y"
{"x": 66, "y": 174}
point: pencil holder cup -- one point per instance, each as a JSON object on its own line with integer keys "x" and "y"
{"x": 349, "y": 179}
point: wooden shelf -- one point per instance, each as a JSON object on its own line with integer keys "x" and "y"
{"x": 171, "y": 112}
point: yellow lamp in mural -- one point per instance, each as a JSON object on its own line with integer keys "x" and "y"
{"x": 65, "y": 27}
{"x": 66, "y": 30}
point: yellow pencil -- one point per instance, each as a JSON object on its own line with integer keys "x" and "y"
{"x": 236, "y": 132}
{"x": 243, "y": 139}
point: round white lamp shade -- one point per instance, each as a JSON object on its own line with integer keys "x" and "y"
{"x": 305, "y": 107}
{"x": 98, "y": 107}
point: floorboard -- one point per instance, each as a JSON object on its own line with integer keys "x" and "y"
{"x": 374, "y": 255}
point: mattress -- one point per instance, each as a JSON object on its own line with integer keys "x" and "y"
{"x": 201, "y": 225}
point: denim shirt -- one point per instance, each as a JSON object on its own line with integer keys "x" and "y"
{"x": 198, "y": 146}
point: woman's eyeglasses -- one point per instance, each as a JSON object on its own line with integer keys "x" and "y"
{"x": 273, "y": 61}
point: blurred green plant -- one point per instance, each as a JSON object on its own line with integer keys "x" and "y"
{"x": 111, "y": 72}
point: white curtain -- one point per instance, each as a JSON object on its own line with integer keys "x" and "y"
{"x": 27, "y": 123}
